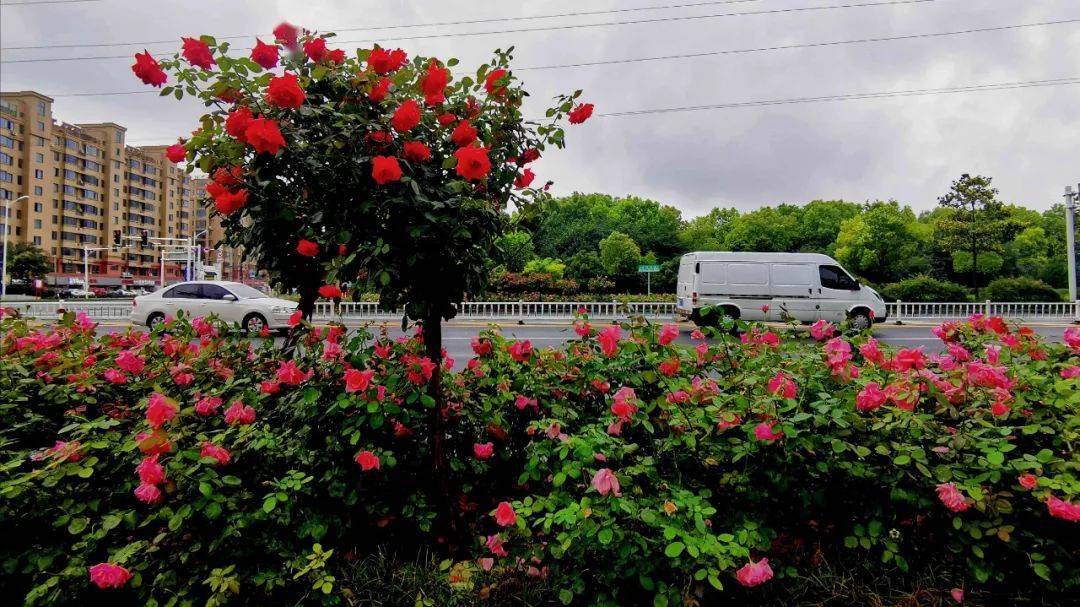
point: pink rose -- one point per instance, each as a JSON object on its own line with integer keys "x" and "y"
{"x": 358, "y": 381}
{"x": 605, "y": 481}
{"x": 870, "y": 397}
{"x": 754, "y": 574}
{"x": 609, "y": 340}
{"x": 952, "y": 498}
{"x": 782, "y": 385}
{"x": 150, "y": 471}
{"x": 207, "y": 405}
{"x": 505, "y": 515}
{"x": 148, "y": 493}
{"x": 668, "y": 334}
{"x": 483, "y": 450}
{"x": 368, "y": 461}
{"x": 159, "y": 410}
{"x": 495, "y": 545}
{"x": 221, "y": 454}
{"x": 239, "y": 414}
{"x": 107, "y": 575}
{"x": 1059, "y": 508}
{"x": 764, "y": 432}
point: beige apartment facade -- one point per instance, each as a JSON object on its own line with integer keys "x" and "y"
{"x": 92, "y": 197}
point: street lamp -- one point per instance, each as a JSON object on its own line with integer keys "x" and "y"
{"x": 3, "y": 264}
{"x": 1071, "y": 203}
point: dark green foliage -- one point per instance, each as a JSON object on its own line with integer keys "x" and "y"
{"x": 1020, "y": 289}
{"x": 924, "y": 288}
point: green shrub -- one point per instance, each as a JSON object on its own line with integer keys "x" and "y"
{"x": 1020, "y": 289}
{"x": 924, "y": 288}
{"x": 546, "y": 265}
{"x": 719, "y": 463}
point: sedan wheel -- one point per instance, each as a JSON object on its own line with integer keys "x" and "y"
{"x": 254, "y": 323}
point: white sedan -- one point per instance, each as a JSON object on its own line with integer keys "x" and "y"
{"x": 232, "y": 302}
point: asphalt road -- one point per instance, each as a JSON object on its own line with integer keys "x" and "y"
{"x": 457, "y": 335}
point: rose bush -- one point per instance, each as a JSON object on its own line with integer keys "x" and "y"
{"x": 188, "y": 465}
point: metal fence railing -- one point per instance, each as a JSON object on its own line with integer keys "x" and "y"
{"x": 899, "y": 311}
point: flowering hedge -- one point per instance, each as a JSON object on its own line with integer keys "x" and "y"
{"x": 189, "y": 465}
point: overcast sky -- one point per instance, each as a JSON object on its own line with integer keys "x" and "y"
{"x": 906, "y": 148}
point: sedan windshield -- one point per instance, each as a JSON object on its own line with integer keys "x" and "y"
{"x": 245, "y": 292}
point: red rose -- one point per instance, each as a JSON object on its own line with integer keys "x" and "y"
{"x": 464, "y": 134}
{"x": 381, "y": 138}
{"x": 447, "y": 119}
{"x": 238, "y": 121}
{"x": 367, "y": 461}
{"x": 229, "y": 177}
{"x": 228, "y": 203}
{"x": 523, "y": 180}
{"x": 198, "y": 53}
{"x": 416, "y": 151}
{"x": 285, "y": 92}
{"x": 146, "y": 68}
{"x": 473, "y": 163}
{"x": 176, "y": 153}
{"x": 286, "y": 34}
{"x": 315, "y": 49}
{"x": 330, "y": 291}
{"x": 263, "y": 135}
{"x": 434, "y": 82}
{"x": 380, "y": 90}
{"x": 385, "y": 169}
{"x": 383, "y": 62}
{"x": 335, "y": 56}
{"x": 215, "y": 189}
{"x": 342, "y": 249}
{"x": 492, "y": 82}
{"x": 307, "y": 248}
{"x": 530, "y": 155}
{"x": 581, "y": 113}
{"x": 265, "y": 54}
{"x": 406, "y": 116}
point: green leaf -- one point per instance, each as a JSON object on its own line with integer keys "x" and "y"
{"x": 269, "y": 504}
{"x": 674, "y": 549}
{"x": 605, "y": 536}
{"x": 566, "y": 596}
{"x": 77, "y": 525}
{"x": 995, "y": 457}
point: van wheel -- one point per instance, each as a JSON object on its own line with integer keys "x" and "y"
{"x": 860, "y": 320}
{"x": 254, "y": 323}
{"x": 155, "y": 319}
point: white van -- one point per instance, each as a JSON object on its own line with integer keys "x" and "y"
{"x": 775, "y": 286}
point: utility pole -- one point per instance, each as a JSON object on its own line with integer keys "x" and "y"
{"x": 3, "y": 264}
{"x": 1071, "y": 202}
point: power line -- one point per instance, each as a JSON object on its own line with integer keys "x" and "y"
{"x": 702, "y": 54}
{"x": 551, "y": 28}
{"x": 1001, "y": 86}
{"x": 851, "y": 97}
{"x": 404, "y": 25}
{"x": 795, "y": 46}
{"x": 6, "y": 4}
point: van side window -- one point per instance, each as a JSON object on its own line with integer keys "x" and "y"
{"x": 832, "y": 277}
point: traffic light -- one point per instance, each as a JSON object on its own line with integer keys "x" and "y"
{"x": 145, "y": 238}
{"x": 116, "y": 238}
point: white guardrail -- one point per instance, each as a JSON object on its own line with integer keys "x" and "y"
{"x": 899, "y": 312}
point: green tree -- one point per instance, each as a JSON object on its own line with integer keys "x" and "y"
{"x": 619, "y": 255}
{"x": 820, "y": 224}
{"x": 707, "y": 232}
{"x": 546, "y": 265}
{"x": 571, "y": 225}
{"x": 879, "y": 242}
{"x": 1030, "y": 252}
{"x": 584, "y": 266}
{"x": 979, "y": 224}
{"x": 514, "y": 250}
{"x": 27, "y": 262}
{"x": 766, "y": 229}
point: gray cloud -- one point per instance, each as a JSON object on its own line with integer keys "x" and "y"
{"x": 905, "y": 148}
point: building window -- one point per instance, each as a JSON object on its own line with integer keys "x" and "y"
{"x": 37, "y": 240}
{"x": 41, "y": 126}
{"x": 37, "y": 224}
{"x": 39, "y": 174}
{"x": 42, "y": 109}
{"x": 38, "y": 207}
{"x": 39, "y": 157}
{"x": 38, "y": 191}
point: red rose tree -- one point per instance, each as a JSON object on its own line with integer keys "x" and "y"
{"x": 373, "y": 152}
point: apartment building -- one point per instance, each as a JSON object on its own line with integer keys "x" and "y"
{"x": 88, "y": 190}
{"x": 228, "y": 261}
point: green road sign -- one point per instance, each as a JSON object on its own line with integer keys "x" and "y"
{"x": 648, "y": 268}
